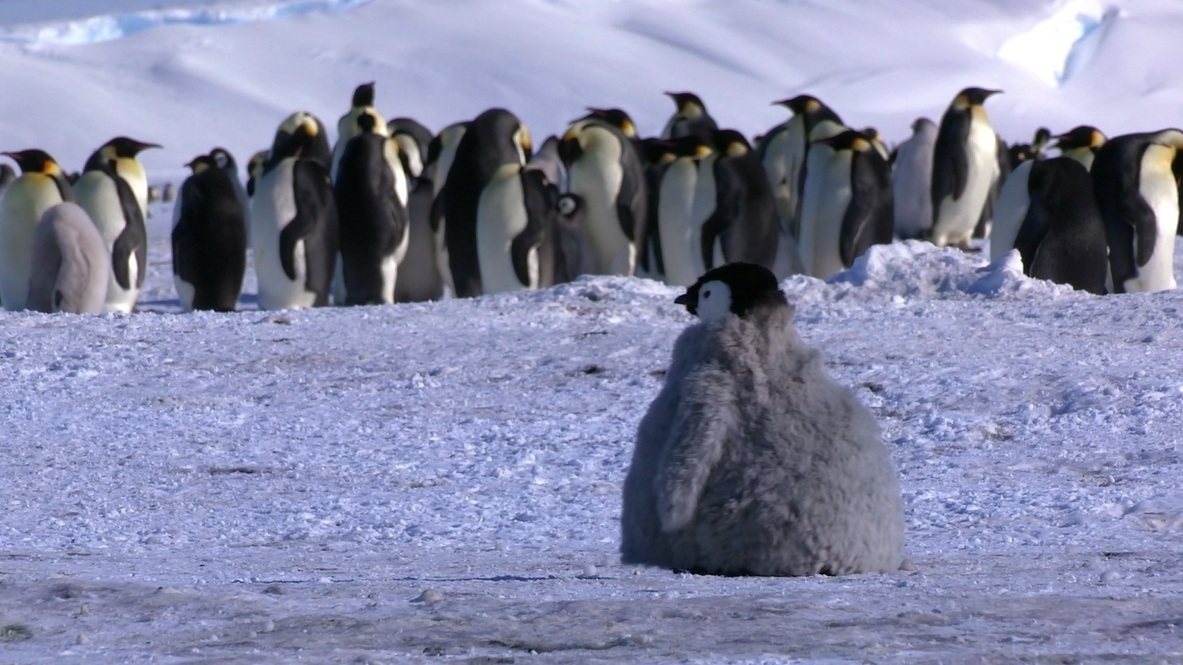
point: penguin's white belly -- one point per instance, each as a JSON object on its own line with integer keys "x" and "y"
{"x": 825, "y": 198}
{"x": 272, "y": 209}
{"x": 501, "y": 217}
{"x": 956, "y": 219}
{"x": 1160, "y": 192}
{"x": 597, "y": 177}
{"x": 911, "y": 182}
{"x": 99, "y": 197}
{"x": 21, "y": 208}
{"x": 1011, "y": 210}
{"x": 674, "y": 201}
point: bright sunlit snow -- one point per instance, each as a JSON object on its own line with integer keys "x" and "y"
{"x": 441, "y": 482}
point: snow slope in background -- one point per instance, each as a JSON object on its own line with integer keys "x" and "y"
{"x": 192, "y": 75}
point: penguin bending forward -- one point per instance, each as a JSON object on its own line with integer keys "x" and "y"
{"x": 209, "y": 238}
{"x": 70, "y": 263}
{"x": 294, "y": 220}
{"x": 40, "y": 186}
{"x": 752, "y": 460}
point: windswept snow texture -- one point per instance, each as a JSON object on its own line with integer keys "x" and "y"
{"x": 1059, "y": 47}
{"x": 441, "y": 482}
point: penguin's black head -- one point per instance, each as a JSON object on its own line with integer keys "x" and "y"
{"x": 223, "y": 159}
{"x": 736, "y": 288}
{"x": 731, "y": 142}
{"x": 801, "y": 104}
{"x": 366, "y": 122}
{"x": 975, "y": 96}
{"x": 696, "y": 145}
{"x": 1083, "y": 136}
{"x": 658, "y": 151}
{"x": 618, "y": 118}
{"x": 35, "y": 161}
{"x": 922, "y": 123}
{"x": 125, "y": 148}
{"x": 685, "y": 100}
{"x": 363, "y": 95}
{"x": 202, "y": 162}
{"x": 851, "y": 139}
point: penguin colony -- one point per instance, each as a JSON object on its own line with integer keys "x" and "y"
{"x": 392, "y": 212}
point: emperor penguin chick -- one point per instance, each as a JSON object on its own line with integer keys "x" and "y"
{"x": 752, "y": 460}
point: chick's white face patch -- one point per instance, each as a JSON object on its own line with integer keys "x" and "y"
{"x": 714, "y": 301}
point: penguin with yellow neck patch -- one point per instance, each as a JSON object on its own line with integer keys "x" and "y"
{"x": 965, "y": 165}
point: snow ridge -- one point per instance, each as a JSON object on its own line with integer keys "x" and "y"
{"x": 1059, "y": 47}
{"x": 111, "y": 27}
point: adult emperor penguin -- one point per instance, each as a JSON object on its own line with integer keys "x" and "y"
{"x": 847, "y": 203}
{"x": 752, "y": 460}
{"x": 70, "y": 263}
{"x": 40, "y": 186}
{"x": 681, "y": 238}
{"x": 604, "y": 168}
{"x": 515, "y": 230}
{"x": 965, "y": 160}
{"x": 110, "y": 201}
{"x": 1080, "y": 143}
{"x": 735, "y": 205}
{"x": 494, "y": 139}
{"x": 1138, "y": 197}
{"x": 370, "y": 191}
{"x": 124, "y": 151}
{"x": 1062, "y": 236}
{"x": 294, "y": 228}
{"x": 690, "y": 116}
{"x": 209, "y": 238}
{"x": 911, "y": 181}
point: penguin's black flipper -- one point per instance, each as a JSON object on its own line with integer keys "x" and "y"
{"x": 133, "y": 238}
{"x": 870, "y": 216}
{"x": 1031, "y": 237}
{"x": 712, "y": 229}
{"x": 950, "y": 169}
{"x": 315, "y": 223}
{"x": 541, "y": 203}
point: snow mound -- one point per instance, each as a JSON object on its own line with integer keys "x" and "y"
{"x": 1060, "y": 46}
{"x": 110, "y": 27}
{"x": 913, "y": 268}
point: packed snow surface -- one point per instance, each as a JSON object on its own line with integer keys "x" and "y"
{"x": 441, "y": 482}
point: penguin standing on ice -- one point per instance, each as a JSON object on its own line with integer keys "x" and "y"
{"x": 124, "y": 152}
{"x": 418, "y": 277}
{"x": 40, "y": 186}
{"x": 1138, "y": 197}
{"x": 783, "y": 152}
{"x": 735, "y": 204}
{"x": 209, "y": 238}
{"x": 847, "y": 204}
{"x": 108, "y": 198}
{"x": 375, "y": 228}
{"x": 604, "y": 168}
{"x": 1062, "y": 236}
{"x": 294, "y": 228}
{"x": 691, "y": 116}
{"x": 965, "y": 161}
{"x": 752, "y": 460}
{"x": 493, "y": 140}
{"x": 441, "y": 154}
{"x": 911, "y": 181}
{"x": 70, "y": 263}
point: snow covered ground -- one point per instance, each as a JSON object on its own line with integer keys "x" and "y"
{"x": 441, "y": 482}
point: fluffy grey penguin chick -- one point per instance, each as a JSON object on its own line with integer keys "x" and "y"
{"x": 752, "y": 460}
